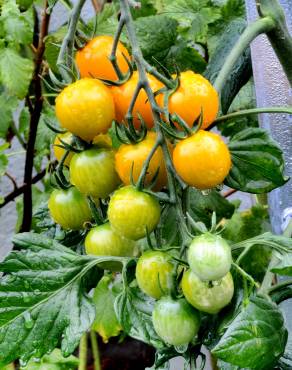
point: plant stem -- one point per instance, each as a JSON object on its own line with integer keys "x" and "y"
{"x": 279, "y": 35}
{"x": 229, "y": 192}
{"x": 34, "y": 120}
{"x": 245, "y": 274}
{"x": 261, "y": 25}
{"x": 279, "y": 286}
{"x": 83, "y": 353}
{"x": 247, "y": 112}
{"x": 95, "y": 351}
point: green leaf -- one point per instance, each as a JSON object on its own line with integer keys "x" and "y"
{"x": 146, "y": 9}
{"x": 156, "y": 35}
{"x": 257, "y": 162}
{"x": 42, "y": 299}
{"x": 15, "y": 26}
{"x": 106, "y": 21}
{"x": 52, "y": 47}
{"x": 53, "y": 361}
{"x": 256, "y": 338}
{"x": 106, "y": 323}
{"x": 3, "y": 159}
{"x": 185, "y": 57}
{"x": 233, "y": 9}
{"x": 15, "y": 72}
{"x": 7, "y": 105}
{"x": 203, "y": 206}
{"x": 284, "y": 266}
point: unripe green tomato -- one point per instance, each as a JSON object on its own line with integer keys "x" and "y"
{"x": 93, "y": 172}
{"x": 154, "y": 273}
{"x": 175, "y": 321}
{"x": 206, "y": 298}
{"x": 103, "y": 241}
{"x": 209, "y": 257}
{"x": 69, "y": 208}
{"x": 131, "y": 212}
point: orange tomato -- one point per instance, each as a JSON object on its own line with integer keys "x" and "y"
{"x": 93, "y": 60}
{"x": 202, "y": 160}
{"x": 194, "y": 94}
{"x": 123, "y": 96}
{"x": 58, "y": 151}
{"x": 133, "y": 156}
{"x": 85, "y": 108}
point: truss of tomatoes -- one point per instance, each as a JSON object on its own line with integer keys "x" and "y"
{"x": 87, "y": 108}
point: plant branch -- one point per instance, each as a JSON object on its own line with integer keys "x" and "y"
{"x": 83, "y": 353}
{"x": 95, "y": 351}
{"x": 261, "y": 25}
{"x": 12, "y": 179}
{"x": 248, "y": 112}
{"x": 34, "y": 120}
{"x": 229, "y": 192}
{"x": 20, "y": 190}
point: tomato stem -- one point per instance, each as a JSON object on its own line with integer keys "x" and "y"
{"x": 256, "y": 28}
{"x": 83, "y": 353}
{"x": 95, "y": 351}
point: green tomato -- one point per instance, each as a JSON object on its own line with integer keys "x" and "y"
{"x": 206, "y": 298}
{"x": 69, "y": 208}
{"x": 154, "y": 273}
{"x": 175, "y": 321}
{"x": 93, "y": 172}
{"x": 103, "y": 241}
{"x": 131, "y": 212}
{"x": 209, "y": 257}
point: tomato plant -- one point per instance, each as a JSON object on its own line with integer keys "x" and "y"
{"x": 137, "y": 125}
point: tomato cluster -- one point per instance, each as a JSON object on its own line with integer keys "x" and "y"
{"x": 87, "y": 108}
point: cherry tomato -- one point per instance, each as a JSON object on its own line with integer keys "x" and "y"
{"x": 205, "y": 297}
{"x": 103, "y": 241}
{"x": 85, "y": 108}
{"x": 209, "y": 257}
{"x": 93, "y": 172}
{"x": 131, "y": 212}
{"x": 202, "y": 160}
{"x": 131, "y": 157}
{"x": 123, "y": 95}
{"x": 194, "y": 94}
{"x": 58, "y": 151}
{"x": 69, "y": 208}
{"x": 93, "y": 60}
{"x": 175, "y": 321}
{"x": 154, "y": 273}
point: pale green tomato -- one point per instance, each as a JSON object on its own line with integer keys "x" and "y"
{"x": 154, "y": 273}
{"x": 175, "y": 321}
{"x": 209, "y": 257}
{"x": 205, "y": 297}
{"x": 103, "y": 241}
{"x": 131, "y": 212}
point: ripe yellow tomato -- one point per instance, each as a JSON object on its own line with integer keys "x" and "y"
{"x": 123, "y": 96}
{"x": 85, "y": 108}
{"x": 202, "y": 160}
{"x": 93, "y": 60}
{"x": 134, "y": 155}
{"x": 59, "y": 152}
{"x": 194, "y": 94}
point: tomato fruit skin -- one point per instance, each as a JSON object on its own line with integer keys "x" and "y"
{"x": 131, "y": 211}
{"x": 85, "y": 108}
{"x": 175, "y": 321}
{"x": 209, "y": 257}
{"x": 202, "y": 160}
{"x": 103, "y": 241}
{"x": 123, "y": 96}
{"x": 131, "y": 158}
{"x": 59, "y": 152}
{"x": 205, "y": 298}
{"x": 195, "y": 93}
{"x": 154, "y": 273}
{"x": 69, "y": 208}
{"x": 93, "y": 60}
{"x": 93, "y": 172}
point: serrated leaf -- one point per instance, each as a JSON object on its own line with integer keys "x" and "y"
{"x": 156, "y": 35}
{"x": 43, "y": 298}
{"x": 53, "y": 361}
{"x": 256, "y": 338}
{"x": 232, "y": 9}
{"x": 15, "y": 72}
{"x": 7, "y": 105}
{"x": 284, "y": 266}
{"x": 257, "y": 162}
{"x": 106, "y": 323}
